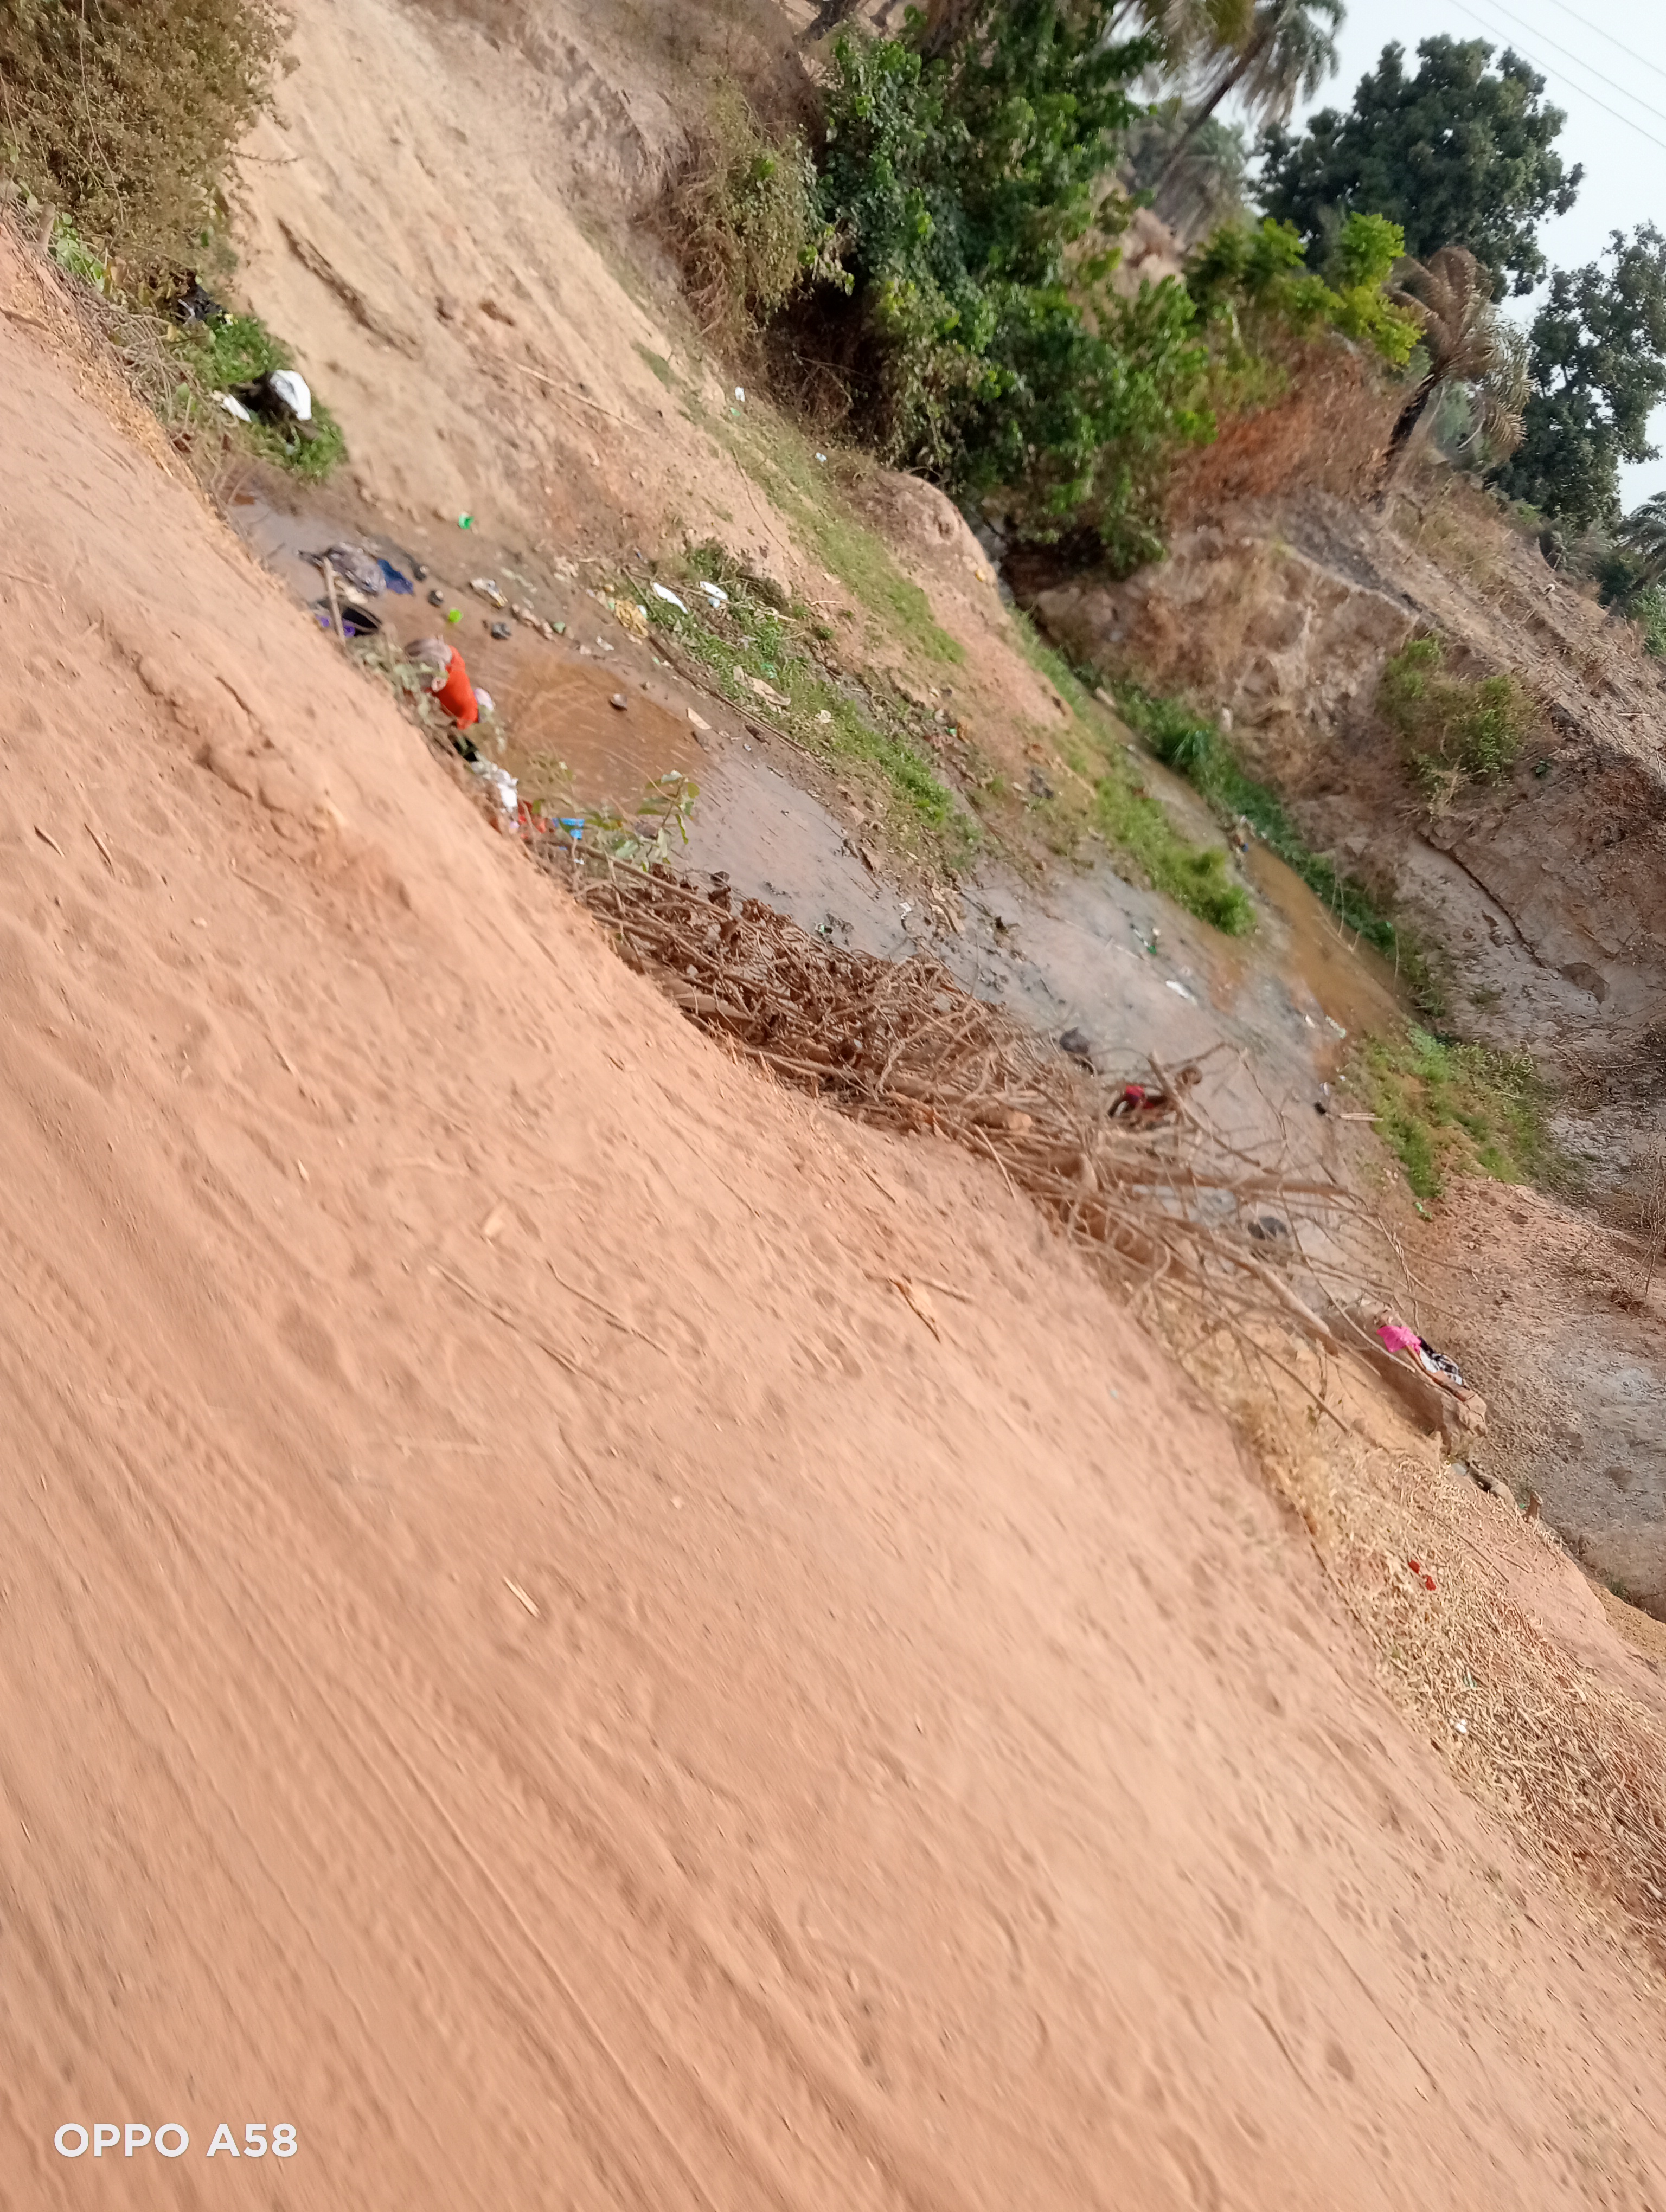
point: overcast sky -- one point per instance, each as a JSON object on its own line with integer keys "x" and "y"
{"x": 1604, "y": 65}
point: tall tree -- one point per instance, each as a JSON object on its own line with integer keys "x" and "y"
{"x": 1286, "y": 53}
{"x": 1596, "y": 362}
{"x": 1456, "y": 154}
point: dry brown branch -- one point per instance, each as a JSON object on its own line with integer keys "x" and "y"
{"x": 1158, "y": 1197}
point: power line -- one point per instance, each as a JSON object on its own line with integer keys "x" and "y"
{"x": 1624, "y": 90}
{"x": 1629, "y": 52}
{"x": 1572, "y": 83}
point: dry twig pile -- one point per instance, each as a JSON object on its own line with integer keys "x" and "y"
{"x": 1161, "y": 1196}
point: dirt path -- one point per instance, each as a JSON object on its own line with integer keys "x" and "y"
{"x": 525, "y": 1658}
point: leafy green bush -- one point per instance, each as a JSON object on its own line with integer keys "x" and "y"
{"x": 125, "y": 113}
{"x": 1254, "y": 280}
{"x": 1456, "y": 729}
{"x": 980, "y": 339}
{"x": 1443, "y": 1107}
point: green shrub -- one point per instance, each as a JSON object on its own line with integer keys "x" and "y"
{"x": 1456, "y": 729}
{"x": 125, "y": 113}
{"x": 238, "y": 349}
{"x": 1252, "y": 281}
{"x": 1443, "y": 1108}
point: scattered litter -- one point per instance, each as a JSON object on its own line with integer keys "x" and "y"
{"x": 1334, "y": 1027}
{"x": 740, "y": 393}
{"x": 1461, "y": 1727}
{"x": 823, "y": 717}
{"x": 420, "y": 571}
{"x": 618, "y": 700}
{"x": 822, "y": 458}
{"x": 504, "y": 789}
{"x": 1181, "y": 992}
{"x": 523, "y": 613}
{"x": 714, "y": 593}
{"x": 280, "y": 397}
{"x": 233, "y": 407}
{"x": 488, "y": 590}
{"x": 194, "y": 305}
{"x": 1076, "y": 1045}
{"x": 500, "y": 630}
{"x": 455, "y": 615}
{"x": 102, "y": 847}
{"x": 1395, "y": 1336}
{"x": 1148, "y": 1103}
{"x": 450, "y": 683}
{"x": 436, "y": 597}
{"x": 484, "y": 700}
{"x": 697, "y": 722}
{"x": 516, "y": 1591}
{"x": 397, "y": 583}
{"x": 669, "y": 598}
{"x": 286, "y": 386}
{"x": 466, "y": 522}
{"x": 768, "y": 692}
{"x": 47, "y": 838}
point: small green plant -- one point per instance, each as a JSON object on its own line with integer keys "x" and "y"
{"x": 1445, "y": 1107}
{"x": 238, "y": 349}
{"x": 1455, "y": 729}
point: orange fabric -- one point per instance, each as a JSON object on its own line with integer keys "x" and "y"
{"x": 456, "y": 694}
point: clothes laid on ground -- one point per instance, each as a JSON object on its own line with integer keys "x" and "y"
{"x": 1397, "y": 1337}
{"x": 355, "y": 567}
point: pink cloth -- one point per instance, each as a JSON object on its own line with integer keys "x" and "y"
{"x": 1398, "y": 1337}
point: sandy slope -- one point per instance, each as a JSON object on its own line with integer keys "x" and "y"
{"x": 922, "y": 1772}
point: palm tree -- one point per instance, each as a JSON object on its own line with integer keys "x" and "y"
{"x": 1643, "y": 534}
{"x": 1467, "y": 341}
{"x": 1287, "y": 51}
{"x": 1192, "y": 33}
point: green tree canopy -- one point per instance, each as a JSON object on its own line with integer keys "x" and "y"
{"x": 980, "y": 338}
{"x": 1456, "y": 154}
{"x": 1597, "y": 366}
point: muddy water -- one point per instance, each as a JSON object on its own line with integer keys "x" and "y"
{"x": 553, "y": 698}
{"x": 1353, "y": 986}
